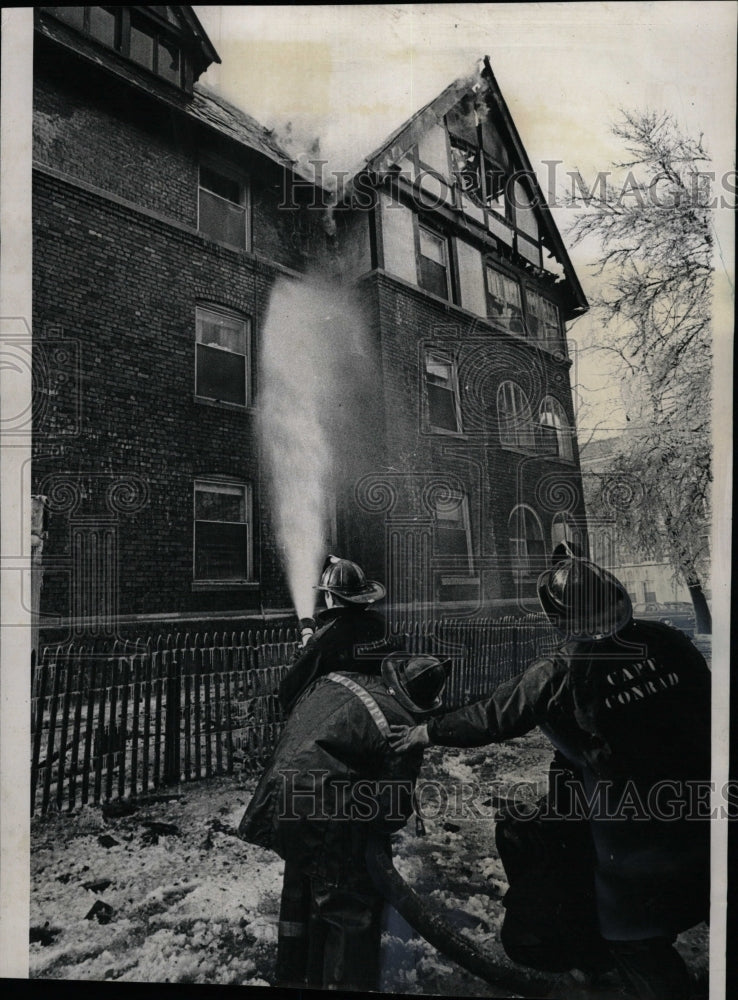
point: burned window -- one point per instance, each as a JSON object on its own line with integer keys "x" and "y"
{"x": 223, "y": 366}
{"x": 504, "y": 302}
{"x": 223, "y": 206}
{"x": 433, "y": 262}
{"x": 527, "y": 547}
{"x": 514, "y": 418}
{"x": 132, "y": 34}
{"x": 222, "y": 532}
{"x": 442, "y": 393}
{"x": 542, "y": 317}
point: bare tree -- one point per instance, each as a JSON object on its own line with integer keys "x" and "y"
{"x": 653, "y": 234}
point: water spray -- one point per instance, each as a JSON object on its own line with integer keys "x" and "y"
{"x": 311, "y": 339}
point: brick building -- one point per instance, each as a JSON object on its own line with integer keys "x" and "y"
{"x": 160, "y": 228}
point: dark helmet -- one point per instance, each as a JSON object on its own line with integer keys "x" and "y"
{"x": 583, "y": 600}
{"x": 348, "y": 581}
{"x": 416, "y": 680}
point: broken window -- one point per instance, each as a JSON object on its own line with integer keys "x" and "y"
{"x": 542, "y": 317}
{"x": 222, "y": 361}
{"x": 527, "y": 547}
{"x": 442, "y": 393}
{"x": 222, "y": 528}
{"x": 504, "y": 302}
{"x": 223, "y": 206}
{"x": 514, "y": 418}
{"x": 133, "y": 35}
{"x": 434, "y": 276}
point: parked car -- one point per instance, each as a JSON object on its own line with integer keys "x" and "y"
{"x": 680, "y": 614}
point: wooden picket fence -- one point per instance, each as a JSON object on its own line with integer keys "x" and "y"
{"x": 124, "y": 721}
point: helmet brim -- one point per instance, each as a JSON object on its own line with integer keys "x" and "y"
{"x": 560, "y": 616}
{"x": 373, "y": 591}
{"x": 391, "y": 679}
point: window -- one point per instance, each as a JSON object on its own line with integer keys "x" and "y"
{"x": 527, "y": 548}
{"x": 563, "y": 529}
{"x": 133, "y": 35}
{"x": 222, "y": 206}
{"x": 456, "y": 583}
{"x": 514, "y": 418}
{"x": 504, "y": 303}
{"x": 543, "y": 317}
{"x": 433, "y": 269}
{"x": 453, "y": 536}
{"x": 222, "y": 365}
{"x": 442, "y": 393}
{"x": 556, "y": 434}
{"x": 223, "y": 533}
{"x": 480, "y": 177}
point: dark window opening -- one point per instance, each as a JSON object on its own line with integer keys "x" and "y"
{"x": 433, "y": 263}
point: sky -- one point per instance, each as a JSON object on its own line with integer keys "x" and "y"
{"x": 349, "y": 75}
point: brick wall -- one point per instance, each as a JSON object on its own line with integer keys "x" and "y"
{"x": 494, "y": 478}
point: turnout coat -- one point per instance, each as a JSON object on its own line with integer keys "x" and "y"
{"x": 333, "y": 777}
{"x": 630, "y": 715}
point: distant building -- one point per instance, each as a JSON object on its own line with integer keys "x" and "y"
{"x": 159, "y": 230}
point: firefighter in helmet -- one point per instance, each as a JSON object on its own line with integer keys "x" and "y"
{"x": 350, "y": 634}
{"x": 332, "y": 784}
{"x": 626, "y": 705}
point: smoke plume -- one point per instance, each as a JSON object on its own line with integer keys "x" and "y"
{"x": 313, "y": 347}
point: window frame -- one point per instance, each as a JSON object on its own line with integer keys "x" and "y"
{"x": 246, "y": 487}
{"x": 444, "y": 241}
{"x": 526, "y": 575}
{"x": 564, "y": 430}
{"x": 518, "y": 445}
{"x": 160, "y": 30}
{"x": 231, "y": 314}
{"x": 494, "y": 318}
{"x": 449, "y": 575}
{"x": 442, "y": 358}
{"x": 530, "y": 294}
{"x": 240, "y": 177}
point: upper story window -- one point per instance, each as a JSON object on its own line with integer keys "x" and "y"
{"x": 222, "y": 365}
{"x": 542, "y": 316}
{"x": 443, "y": 412}
{"x": 514, "y": 418}
{"x": 131, "y": 33}
{"x": 223, "y": 203}
{"x": 556, "y": 434}
{"x": 504, "y": 302}
{"x": 433, "y": 266}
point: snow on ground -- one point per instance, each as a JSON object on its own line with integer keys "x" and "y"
{"x": 169, "y": 893}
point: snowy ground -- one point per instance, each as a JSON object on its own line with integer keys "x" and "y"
{"x": 168, "y": 893}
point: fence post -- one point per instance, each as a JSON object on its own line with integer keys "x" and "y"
{"x": 172, "y": 719}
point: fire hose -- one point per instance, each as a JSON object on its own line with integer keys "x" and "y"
{"x": 431, "y": 924}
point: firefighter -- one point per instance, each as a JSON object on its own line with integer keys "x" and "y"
{"x": 626, "y": 704}
{"x": 333, "y": 783}
{"x": 348, "y": 623}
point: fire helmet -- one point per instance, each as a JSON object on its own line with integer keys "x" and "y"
{"x": 583, "y": 600}
{"x": 416, "y": 680}
{"x": 348, "y": 582}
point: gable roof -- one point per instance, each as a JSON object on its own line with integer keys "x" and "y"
{"x": 397, "y": 144}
